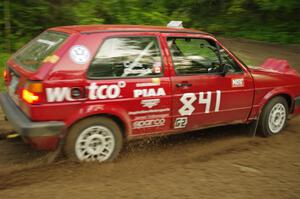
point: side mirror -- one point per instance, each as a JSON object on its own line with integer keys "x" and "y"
{"x": 224, "y": 69}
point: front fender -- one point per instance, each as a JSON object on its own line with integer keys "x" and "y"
{"x": 90, "y": 110}
{"x": 273, "y": 93}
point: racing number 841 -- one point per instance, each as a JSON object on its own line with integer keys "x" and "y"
{"x": 189, "y": 98}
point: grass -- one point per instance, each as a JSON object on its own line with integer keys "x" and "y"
{"x": 3, "y": 58}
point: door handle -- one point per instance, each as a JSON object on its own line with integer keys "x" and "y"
{"x": 184, "y": 84}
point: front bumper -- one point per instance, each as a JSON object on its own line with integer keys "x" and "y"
{"x": 41, "y": 135}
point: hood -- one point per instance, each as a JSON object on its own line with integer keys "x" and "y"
{"x": 279, "y": 66}
{"x": 264, "y": 77}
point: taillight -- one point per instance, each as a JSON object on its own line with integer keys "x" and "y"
{"x": 30, "y": 97}
{"x": 32, "y": 92}
{"x": 5, "y": 74}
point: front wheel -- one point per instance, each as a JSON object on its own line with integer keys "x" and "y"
{"x": 273, "y": 117}
{"x": 94, "y": 139}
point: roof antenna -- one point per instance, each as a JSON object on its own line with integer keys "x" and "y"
{"x": 175, "y": 24}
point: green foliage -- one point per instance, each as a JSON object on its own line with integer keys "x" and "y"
{"x": 270, "y": 20}
{"x": 3, "y": 58}
{"x": 86, "y": 12}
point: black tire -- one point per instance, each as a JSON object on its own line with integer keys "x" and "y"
{"x": 264, "y": 126}
{"x": 77, "y": 129}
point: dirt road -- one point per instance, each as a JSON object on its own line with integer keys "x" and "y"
{"x": 216, "y": 163}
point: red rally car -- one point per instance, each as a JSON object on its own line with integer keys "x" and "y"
{"x": 94, "y": 87}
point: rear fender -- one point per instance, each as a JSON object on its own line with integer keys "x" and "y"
{"x": 102, "y": 109}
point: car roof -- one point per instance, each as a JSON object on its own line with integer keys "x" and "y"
{"x": 88, "y": 29}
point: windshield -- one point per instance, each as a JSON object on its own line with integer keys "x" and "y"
{"x": 33, "y": 54}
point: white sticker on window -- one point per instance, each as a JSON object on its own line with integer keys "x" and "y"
{"x": 79, "y": 54}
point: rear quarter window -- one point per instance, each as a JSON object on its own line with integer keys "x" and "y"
{"x": 127, "y": 57}
{"x": 32, "y": 55}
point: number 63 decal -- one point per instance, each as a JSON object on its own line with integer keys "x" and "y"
{"x": 189, "y": 98}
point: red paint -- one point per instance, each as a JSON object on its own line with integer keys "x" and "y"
{"x": 238, "y": 104}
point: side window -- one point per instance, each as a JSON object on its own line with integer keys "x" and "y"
{"x": 233, "y": 67}
{"x": 127, "y": 57}
{"x": 198, "y": 56}
{"x": 194, "y": 56}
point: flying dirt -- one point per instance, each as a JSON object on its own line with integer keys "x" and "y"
{"x": 223, "y": 162}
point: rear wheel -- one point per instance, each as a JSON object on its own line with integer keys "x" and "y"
{"x": 94, "y": 139}
{"x": 273, "y": 117}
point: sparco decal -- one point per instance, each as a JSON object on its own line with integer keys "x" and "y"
{"x": 189, "y": 98}
{"x": 112, "y": 91}
{"x": 149, "y": 123}
{"x": 149, "y": 92}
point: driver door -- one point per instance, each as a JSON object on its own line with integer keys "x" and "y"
{"x": 201, "y": 95}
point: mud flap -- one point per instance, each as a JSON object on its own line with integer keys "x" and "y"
{"x": 253, "y": 126}
{"x": 51, "y": 156}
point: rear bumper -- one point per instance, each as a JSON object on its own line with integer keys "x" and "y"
{"x": 41, "y": 135}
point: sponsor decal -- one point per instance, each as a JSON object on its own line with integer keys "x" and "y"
{"x": 150, "y": 103}
{"x": 154, "y": 82}
{"x": 96, "y": 92}
{"x": 148, "y": 92}
{"x": 135, "y": 68}
{"x": 157, "y": 69}
{"x": 149, "y": 123}
{"x": 189, "y": 98}
{"x": 104, "y": 91}
{"x": 129, "y": 71}
{"x": 58, "y": 94}
{"x": 180, "y": 122}
{"x": 51, "y": 59}
{"x": 149, "y": 111}
{"x": 79, "y": 54}
{"x": 93, "y": 108}
{"x": 236, "y": 83}
{"x": 145, "y": 117}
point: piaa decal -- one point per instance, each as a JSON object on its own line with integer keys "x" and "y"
{"x": 149, "y": 92}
